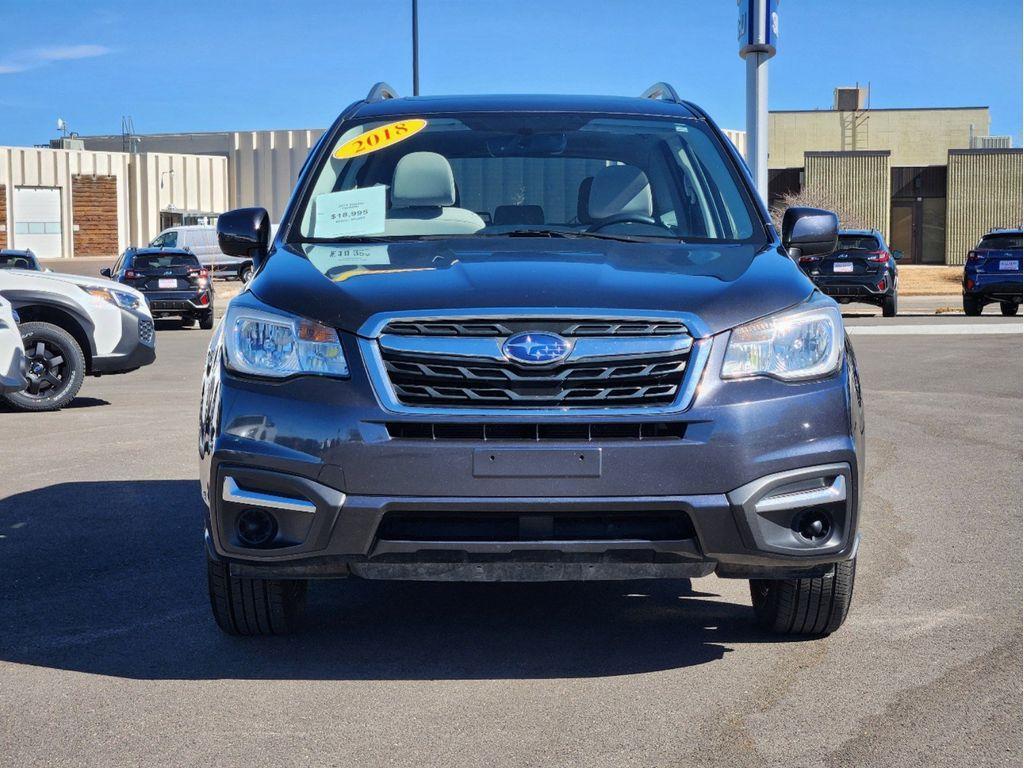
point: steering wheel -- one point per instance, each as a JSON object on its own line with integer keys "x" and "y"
{"x": 625, "y": 218}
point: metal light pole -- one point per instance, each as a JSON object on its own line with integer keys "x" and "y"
{"x": 415, "y": 49}
{"x": 758, "y": 37}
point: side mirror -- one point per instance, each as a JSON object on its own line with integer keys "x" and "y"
{"x": 245, "y": 232}
{"x": 897, "y": 255}
{"x": 105, "y": 271}
{"x": 810, "y": 231}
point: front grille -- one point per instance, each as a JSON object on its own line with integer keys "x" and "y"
{"x": 518, "y": 526}
{"x": 575, "y": 431}
{"x": 569, "y": 328}
{"x": 615, "y": 363}
{"x": 146, "y": 331}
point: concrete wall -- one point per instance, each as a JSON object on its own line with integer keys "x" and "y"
{"x": 857, "y": 183}
{"x": 171, "y": 182}
{"x": 914, "y": 136}
{"x": 37, "y": 167}
{"x": 984, "y": 191}
{"x": 262, "y": 165}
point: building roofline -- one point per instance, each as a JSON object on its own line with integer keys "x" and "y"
{"x": 849, "y": 153}
{"x": 988, "y": 151}
{"x": 872, "y": 109}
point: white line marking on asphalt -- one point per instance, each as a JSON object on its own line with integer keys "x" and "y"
{"x": 960, "y": 329}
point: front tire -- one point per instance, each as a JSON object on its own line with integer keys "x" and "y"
{"x": 55, "y": 368}
{"x": 1008, "y": 308}
{"x": 254, "y": 606}
{"x": 972, "y": 306}
{"x": 811, "y": 607}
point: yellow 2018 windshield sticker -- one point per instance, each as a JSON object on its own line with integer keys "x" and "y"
{"x": 378, "y": 138}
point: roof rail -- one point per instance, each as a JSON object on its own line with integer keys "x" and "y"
{"x": 381, "y": 91}
{"x": 662, "y": 91}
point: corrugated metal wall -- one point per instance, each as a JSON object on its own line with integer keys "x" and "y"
{"x": 857, "y": 183}
{"x": 984, "y": 192}
{"x": 265, "y": 167}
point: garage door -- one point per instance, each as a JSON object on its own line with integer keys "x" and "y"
{"x": 37, "y": 221}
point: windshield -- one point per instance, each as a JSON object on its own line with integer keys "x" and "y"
{"x": 519, "y": 174}
{"x": 164, "y": 261}
{"x": 1000, "y": 243}
{"x": 858, "y": 243}
{"x": 17, "y": 261}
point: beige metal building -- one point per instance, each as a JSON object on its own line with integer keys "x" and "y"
{"x": 73, "y": 202}
{"x": 931, "y": 180}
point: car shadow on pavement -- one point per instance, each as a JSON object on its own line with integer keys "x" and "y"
{"x": 109, "y": 578}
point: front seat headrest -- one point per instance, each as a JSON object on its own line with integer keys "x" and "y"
{"x": 518, "y": 214}
{"x": 423, "y": 179}
{"x": 620, "y": 189}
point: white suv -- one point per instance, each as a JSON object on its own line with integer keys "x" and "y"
{"x": 71, "y": 327}
{"x": 12, "y": 353}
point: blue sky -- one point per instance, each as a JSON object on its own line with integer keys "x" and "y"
{"x": 190, "y": 66}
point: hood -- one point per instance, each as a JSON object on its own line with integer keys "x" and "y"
{"x": 92, "y": 282}
{"x": 715, "y": 286}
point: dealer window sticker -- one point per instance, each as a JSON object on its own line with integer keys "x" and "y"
{"x": 351, "y": 212}
{"x": 379, "y": 138}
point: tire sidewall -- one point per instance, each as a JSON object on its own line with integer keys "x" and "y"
{"x": 57, "y": 337}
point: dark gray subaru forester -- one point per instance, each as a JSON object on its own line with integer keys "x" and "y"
{"x": 529, "y": 338}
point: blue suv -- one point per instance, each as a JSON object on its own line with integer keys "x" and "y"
{"x": 529, "y": 338}
{"x": 992, "y": 273}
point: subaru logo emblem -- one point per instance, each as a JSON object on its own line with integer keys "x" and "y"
{"x": 536, "y": 348}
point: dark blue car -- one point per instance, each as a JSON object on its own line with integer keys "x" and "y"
{"x": 529, "y": 338}
{"x": 862, "y": 268}
{"x": 992, "y": 273}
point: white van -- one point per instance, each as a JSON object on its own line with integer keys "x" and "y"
{"x": 202, "y": 241}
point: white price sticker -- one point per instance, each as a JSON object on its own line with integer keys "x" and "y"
{"x": 351, "y": 213}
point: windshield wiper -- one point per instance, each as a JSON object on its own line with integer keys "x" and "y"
{"x": 347, "y": 239}
{"x": 558, "y": 233}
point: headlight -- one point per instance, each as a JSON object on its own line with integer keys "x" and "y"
{"x": 801, "y": 343}
{"x": 270, "y": 344}
{"x": 118, "y": 298}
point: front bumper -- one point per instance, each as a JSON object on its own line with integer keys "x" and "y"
{"x": 12, "y": 362}
{"x": 686, "y": 505}
{"x": 136, "y": 347}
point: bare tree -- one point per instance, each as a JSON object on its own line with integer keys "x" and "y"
{"x": 812, "y": 198}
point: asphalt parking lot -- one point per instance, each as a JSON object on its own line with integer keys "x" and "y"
{"x": 109, "y": 656}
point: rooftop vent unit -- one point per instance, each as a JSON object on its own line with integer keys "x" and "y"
{"x": 991, "y": 142}
{"x": 67, "y": 142}
{"x": 850, "y": 99}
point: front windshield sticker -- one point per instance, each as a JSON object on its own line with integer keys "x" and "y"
{"x": 351, "y": 212}
{"x": 378, "y": 138}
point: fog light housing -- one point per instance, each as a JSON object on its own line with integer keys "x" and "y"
{"x": 814, "y": 525}
{"x": 255, "y": 527}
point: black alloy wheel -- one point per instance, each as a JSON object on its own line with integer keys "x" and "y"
{"x": 54, "y": 368}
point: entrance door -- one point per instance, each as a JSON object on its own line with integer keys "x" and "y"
{"x": 905, "y": 228}
{"x": 37, "y": 221}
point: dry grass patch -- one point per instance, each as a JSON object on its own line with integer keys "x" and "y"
{"x": 930, "y": 280}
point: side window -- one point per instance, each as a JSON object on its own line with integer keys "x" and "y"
{"x": 166, "y": 240}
